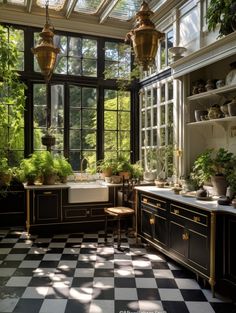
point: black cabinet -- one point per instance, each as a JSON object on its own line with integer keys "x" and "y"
{"x": 12, "y": 206}
{"x": 181, "y": 231}
{"x": 226, "y": 256}
{"x": 47, "y": 206}
{"x": 154, "y": 225}
{"x": 190, "y": 236}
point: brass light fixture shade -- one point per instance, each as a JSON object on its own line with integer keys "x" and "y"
{"x": 144, "y": 38}
{"x": 46, "y": 53}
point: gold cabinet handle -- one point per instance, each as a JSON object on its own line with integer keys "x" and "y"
{"x": 176, "y": 211}
{"x": 152, "y": 221}
{"x": 47, "y": 193}
{"x": 145, "y": 200}
{"x": 158, "y": 205}
{"x": 196, "y": 218}
{"x": 185, "y": 236}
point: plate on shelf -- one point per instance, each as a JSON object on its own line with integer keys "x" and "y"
{"x": 205, "y": 198}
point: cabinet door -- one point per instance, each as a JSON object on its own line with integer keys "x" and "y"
{"x": 12, "y": 208}
{"x": 147, "y": 223}
{"x": 198, "y": 251}
{"x": 178, "y": 239}
{"x": 161, "y": 230}
{"x": 230, "y": 253}
{"x": 47, "y": 206}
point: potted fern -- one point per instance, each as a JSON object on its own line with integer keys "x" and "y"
{"x": 63, "y": 168}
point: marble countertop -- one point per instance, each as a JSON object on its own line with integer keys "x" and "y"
{"x": 211, "y": 206}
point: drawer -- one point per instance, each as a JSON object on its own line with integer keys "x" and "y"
{"x": 189, "y": 214}
{"x": 156, "y": 203}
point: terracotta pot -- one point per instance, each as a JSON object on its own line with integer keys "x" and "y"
{"x": 220, "y": 185}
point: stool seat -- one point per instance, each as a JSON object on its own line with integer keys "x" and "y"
{"x": 119, "y": 210}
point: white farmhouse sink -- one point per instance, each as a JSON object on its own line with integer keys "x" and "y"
{"x": 87, "y": 192}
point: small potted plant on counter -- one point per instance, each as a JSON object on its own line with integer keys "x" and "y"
{"x": 63, "y": 168}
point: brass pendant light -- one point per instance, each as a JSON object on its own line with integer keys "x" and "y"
{"x": 45, "y": 51}
{"x": 46, "y": 54}
{"x": 144, "y": 38}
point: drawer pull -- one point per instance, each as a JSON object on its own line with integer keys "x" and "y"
{"x": 197, "y": 219}
{"x": 145, "y": 200}
{"x": 185, "y": 236}
{"x": 152, "y": 221}
{"x": 158, "y": 205}
{"x": 176, "y": 211}
{"x": 47, "y": 193}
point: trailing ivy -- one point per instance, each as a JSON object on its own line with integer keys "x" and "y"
{"x": 12, "y": 90}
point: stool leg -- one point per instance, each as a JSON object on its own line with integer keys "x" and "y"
{"x": 118, "y": 234}
{"x": 105, "y": 229}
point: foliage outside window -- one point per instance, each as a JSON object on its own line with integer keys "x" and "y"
{"x": 78, "y": 56}
{"x": 40, "y": 115}
{"x": 117, "y": 124}
{"x": 165, "y": 45}
{"x": 156, "y": 123}
{"x": 82, "y": 127}
{"x": 117, "y": 60}
{"x": 12, "y": 98}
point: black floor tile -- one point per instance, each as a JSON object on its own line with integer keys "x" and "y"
{"x": 28, "y": 305}
{"x": 73, "y": 306}
{"x": 125, "y": 282}
{"x": 166, "y": 283}
{"x": 150, "y": 294}
{"x": 175, "y": 307}
{"x": 193, "y": 295}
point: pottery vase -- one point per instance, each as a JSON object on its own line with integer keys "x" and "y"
{"x": 232, "y": 107}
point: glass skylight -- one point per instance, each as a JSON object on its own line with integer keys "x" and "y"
{"x": 88, "y": 6}
{"x": 17, "y": 2}
{"x": 125, "y": 9}
{"x": 53, "y": 4}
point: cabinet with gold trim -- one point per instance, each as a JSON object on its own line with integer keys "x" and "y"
{"x": 154, "y": 224}
{"x": 189, "y": 236}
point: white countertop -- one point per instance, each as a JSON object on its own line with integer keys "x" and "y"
{"x": 202, "y": 204}
{"x": 38, "y": 187}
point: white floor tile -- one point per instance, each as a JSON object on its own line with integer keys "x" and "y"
{"x": 8, "y": 304}
{"x": 35, "y": 292}
{"x": 145, "y": 283}
{"x": 199, "y": 307}
{"x": 53, "y": 305}
{"x": 185, "y": 283}
{"x": 82, "y": 295}
{"x": 170, "y": 294}
{"x": 126, "y": 294}
{"x": 52, "y": 257}
{"x": 19, "y": 281}
{"x": 29, "y": 264}
{"x": 150, "y": 306}
{"x": 102, "y": 306}
{"x": 84, "y": 272}
{"x": 159, "y": 273}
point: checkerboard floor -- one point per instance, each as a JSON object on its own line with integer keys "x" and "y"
{"x": 78, "y": 273}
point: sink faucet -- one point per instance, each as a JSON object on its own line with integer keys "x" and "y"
{"x": 82, "y": 166}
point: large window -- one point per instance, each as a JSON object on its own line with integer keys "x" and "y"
{"x": 156, "y": 124}
{"x": 117, "y": 123}
{"x": 77, "y": 56}
{"x": 12, "y": 95}
{"x": 117, "y": 60}
{"x": 82, "y": 127}
{"x": 42, "y": 112}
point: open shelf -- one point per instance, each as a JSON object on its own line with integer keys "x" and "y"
{"x": 224, "y": 91}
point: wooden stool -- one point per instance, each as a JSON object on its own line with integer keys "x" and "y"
{"x": 117, "y": 212}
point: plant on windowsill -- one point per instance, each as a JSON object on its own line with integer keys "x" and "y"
{"x": 222, "y": 13}
{"x": 63, "y": 168}
{"x": 124, "y": 167}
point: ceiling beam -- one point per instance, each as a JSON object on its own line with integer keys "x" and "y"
{"x": 107, "y": 11}
{"x": 70, "y": 9}
{"x": 29, "y": 5}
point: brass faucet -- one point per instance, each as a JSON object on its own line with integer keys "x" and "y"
{"x": 83, "y": 170}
